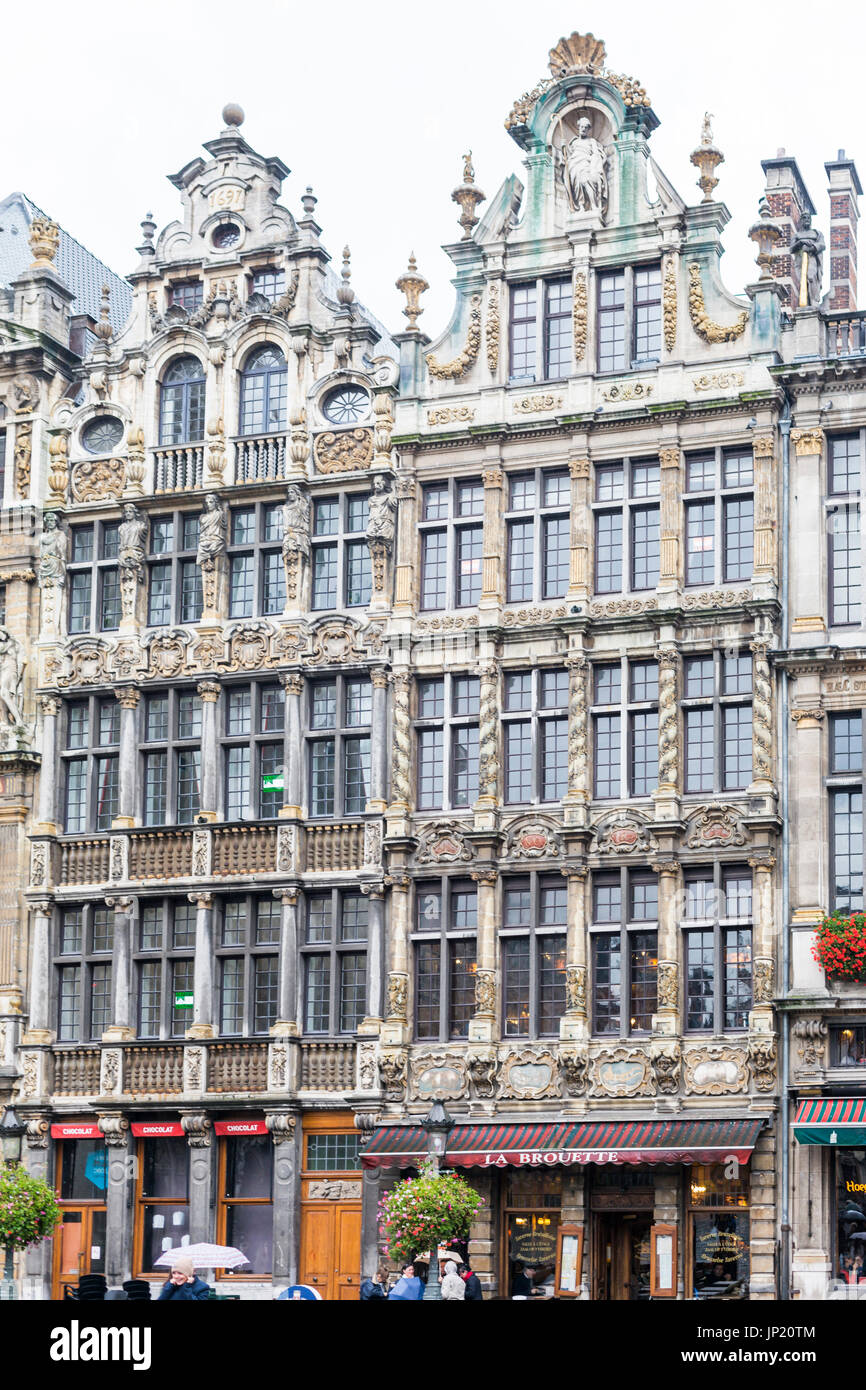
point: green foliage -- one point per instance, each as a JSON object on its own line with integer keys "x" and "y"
{"x": 28, "y": 1209}
{"x": 420, "y": 1213}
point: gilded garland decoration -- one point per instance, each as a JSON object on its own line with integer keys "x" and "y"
{"x": 669, "y": 306}
{"x": 459, "y": 366}
{"x": 704, "y": 326}
{"x": 579, "y": 314}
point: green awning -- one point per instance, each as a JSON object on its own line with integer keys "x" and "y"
{"x": 839, "y": 1121}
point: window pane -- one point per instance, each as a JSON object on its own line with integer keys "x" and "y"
{"x": 737, "y": 674}
{"x": 430, "y": 751}
{"x": 647, "y": 313}
{"x": 844, "y": 565}
{"x": 151, "y": 928}
{"x": 159, "y": 596}
{"x": 356, "y": 774}
{"x": 149, "y": 998}
{"x": 188, "y": 773}
{"x": 737, "y": 468}
{"x": 556, "y": 541}
{"x": 523, "y": 303}
{"x": 324, "y": 705}
{"x": 265, "y": 992}
{"x": 846, "y": 825}
{"x": 699, "y": 676}
{"x": 434, "y": 569}
{"x": 521, "y": 492}
{"x": 515, "y": 986}
{"x": 518, "y": 760}
{"x": 607, "y": 982}
{"x": 644, "y": 752}
{"x": 241, "y": 586}
{"x": 77, "y": 725}
{"x": 738, "y": 537}
{"x": 232, "y": 995}
{"x": 431, "y": 699}
{"x": 156, "y": 717}
{"x": 737, "y": 749}
{"x": 353, "y": 988}
{"x": 435, "y": 501}
{"x": 68, "y": 1003}
{"x": 239, "y": 711}
{"x": 100, "y": 999}
{"x": 521, "y": 536}
{"x": 644, "y": 678}
{"x": 554, "y": 689}
{"x": 700, "y": 964}
{"x": 182, "y": 978}
{"x": 607, "y": 755}
{"x": 738, "y": 976}
{"x": 273, "y": 582}
{"x": 607, "y": 680}
{"x": 554, "y": 759}
{"x": 71, "y": 931}
{"x": 320, "y": 920}
{"x": 464, "y": 765}
{"x": 359, "y": 583}
{"x": 700, "y": 551}
{"x": 644, "y": 969}
{"x": 270, "y": 799}
{"x": 183, "y": 925}
{"x": 322, "y": 777}
{"x": 109, "y": 616}
{"x": 427, "y": 988}
{"x": 76, "y": 795}
{"x": 359, "y": 703}
{"x": 467, "y": 692}
{"x": 103, "y": 929}
{"x": 551, "y": 984}
{"x": 188, "y": 716}
{"x": 844, "y": 463}
{"x": 470, "y": 499}
{"x": 191, "y": 593}
{"x": 79, "y": 601}
{"x": 267, "y": 922}
{"x": 557, "y": 329}
{"x": 699, "y": 750}
{"x": 428, "y": 905}
{"x": 645, "y": 547}
{"x": 353, "y": 917}
{"x": 107, "y": 791}
{"x": 469, "y": 547}
{"x": 272, "y": 709}
{"x": 234, "y": 922}
{"x": 643, "y": 899}
{"x": 611, "y": 321}
{"x": 608, "y": 552}
{"x": 846, "y": 742}
{"x": 462, "y": 987}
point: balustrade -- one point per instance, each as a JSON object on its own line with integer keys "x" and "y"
{"x": 237, "y": 1067}
{"x": 260, "y": 459}
{"x": 331, "y": 848}
{"x": 327, "y": 1066}
{"x": 178, "y": 470}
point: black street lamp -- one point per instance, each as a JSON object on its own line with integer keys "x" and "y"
{"x": 438, "y": 1124}
{"x": 12, "y": 1132}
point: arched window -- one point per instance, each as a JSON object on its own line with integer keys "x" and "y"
{"x": 181, "y": 403}
{"x": 264, "y": 381}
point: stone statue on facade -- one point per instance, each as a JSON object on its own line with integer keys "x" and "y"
{"x": 296, "y": 522}
{"x": 807, "y": 263}
{"x": 585, "y": 177}
{"x": 382, "y": 516}
{"x": 211, "y": 530}
{"x": 52, "y": 551}
{"x": 132, "y": 540}
{"x": 11, "y": 673}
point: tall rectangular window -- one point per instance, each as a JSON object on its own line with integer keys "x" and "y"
{"x": 718, "y": 948}
{"x": 523, "y": 332}
{"x": 341, "y": 558}
{"x": 632, "y": 528}
{"x": 624, "y": 951}
{"x": 538, "y": 531}
{"x": 335, "y": 961}
{"x": 446, "y": 723}
{"x": 90, "y": 766}
{"x": 532, "y": 936}
{"x": 558, "y": 329}
{"x": 845, "y": 787}
{"x": 451, "y": 529}
{"x": 611, "y": 321}
{"x": 717, "y": 722}
{"x": 719, "y": 516}
{"x": 629, "y": 315}
{"x": 339, "y": 713}
{"x": 625, "y": 728}
{"x": 444, "y": 942}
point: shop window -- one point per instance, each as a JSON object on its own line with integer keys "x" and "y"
{"x": 848, "y": 1046}
{"x": 246, "y": 1199}
{"x": 851, "y": 1215}
{"x": 83, "y": 1171}
{"x": 718, "y": 1196}
{"x": 533, "y": 1211}
{"x": 163, "y": 1199}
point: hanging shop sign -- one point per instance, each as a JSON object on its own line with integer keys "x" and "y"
{"x": 75, "y": 1131}
{"x": 240, "y": 1127}
{"x": 157, "y": 1129}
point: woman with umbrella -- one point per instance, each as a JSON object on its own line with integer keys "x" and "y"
{"x": 183, "y": 1285}
{"x": 185, "y": 1259}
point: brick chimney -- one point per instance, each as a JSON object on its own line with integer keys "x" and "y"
{"x": 844, "y": 188}
{"x": 788, "y": 199}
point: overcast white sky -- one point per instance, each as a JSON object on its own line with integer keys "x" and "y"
{"x": 373, "y": 104}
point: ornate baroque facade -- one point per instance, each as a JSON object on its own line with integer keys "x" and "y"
{"x": 397, "y": 718}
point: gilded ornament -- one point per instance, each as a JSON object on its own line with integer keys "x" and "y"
{"x": 58, "y": 468}
{"x": 412, "y": 284}
{"x": 451, "y": 414}
{"x": 704, "y": 326}
{"x": 459, "y": 365}
{"x": 349, "y": 451}
{"x": 669, "y": 306}
{"x": 23, "y": 451}
{"x": 98, "y": 480}
{"x": 808, "y": 441}
{"x": 529, "y": 405}
{"x": 628, "y": 391}
{"x": 718, "y": 381}
{"x": 491, "y": 327}
{"x": 44, "y": 242}
{"x": 579, "y": 315}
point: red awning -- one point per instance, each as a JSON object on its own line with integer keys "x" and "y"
{"x": 71, "y": 1130}
{"x": 542, "y": 1145}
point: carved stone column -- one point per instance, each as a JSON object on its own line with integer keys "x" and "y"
{"x": 762, "y": 718}
{"x": 377, "y": 801}
{"x": 293, "y": 748}
{"x": 808, "y": 591}
{"x": 407, "y": 541}
{"x": 574, "y": 1023}
{"x": 482, "y": 1026}
{"x": 401, "y": 746}
{"x": 375, "y": 954}
{"x": 196, "y": 1125}
{"x": 492, "y": 588}
{"x": 764, "y": 920}
{"x": 127, "y": 697}
{"x": 122, "y": 1000}
{"x": 202, "y": 1013}
{"x": 489, "y": 762}
{"x": 396, "y": 1027}
{"x": 287, "y": 1009}
{"x": 577, "y": 798}
{"x": 666, "y": 1020}
{"x": 114, "y": 1128}
{"x": 287, "y": 1138}
{"x": 667, "y": 794}
{"x": 208, "y": 692}
{"x": 579, "y": 585}
{"x": 39, "y": 1010}
{"x": 763, "y": 450}
{"x": 670, "y": 567}
{"x": 50, "y": 709}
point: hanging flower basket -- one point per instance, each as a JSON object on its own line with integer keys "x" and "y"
{"x": 420, "y": 1213}
{"x": 840, "y": 946}
{"x": 28, "y": 1209}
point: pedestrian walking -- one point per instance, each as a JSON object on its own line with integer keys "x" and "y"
{"x": 183, "y": 1285}
{"x": 474, "y": 1292}
{"x": 374, "y": 1288}
{"x": 453, "y": 1287}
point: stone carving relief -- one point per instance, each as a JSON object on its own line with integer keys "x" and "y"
{"x": 583, "y": 161}
{"x": 443, "y": 842}
{"x": 460, "y": 365}
{"x": 331, "y": 1190}
{"x": 703, "y": 325}
{"x": 579, "y": 315}
{"x": 717, "y": 598}
{"x": 84, "y": 659}
{"x": 97, "y": 480}
{"x": 372, "y": 845}
{"x": 621, "y": 832}
{"x": 531, "y": 838}
{"x": 762, "y": 981}
{"x": 531, "y": 405}
{"x": 367, "y": 1074}
{"x": 574, "y": 1068}
{"x": 485, "y": 992}
{"x": 249, "y": 646}
{"x": 12, "y": 665}
{"x": 811, "y": 1035}
{"x": 491, "y": 327}
{"x": 762, "y": 1060}
{"x": 529, "y": 1075}
{"x": 666, "y": 1062}
{"x": 296, "y": 538}
{"x": 451, "y": 414}
{"x": 669, "y": 305}
{"x": 346, "y": 451}
{"x": 575, "y": 989}
{"x": 439, "y": 1075}
{"x": 622, "y": 1071}
{"x": 482, "y": 1067}
{"x": 715, "y": 827}
{"x": 392, "y": 1070}
{"x": 715, "y": 1071}
{"x": 398, "y": 995}
{"x": 334, "y": 642}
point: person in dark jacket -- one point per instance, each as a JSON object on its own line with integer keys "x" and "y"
{"x": 474, "y": 1293}
{"x": 184, "y": 1285}
{"x": 374, "y": 1289}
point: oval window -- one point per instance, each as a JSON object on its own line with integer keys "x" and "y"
{"x": 102, "y": 435}
{"x": 226, "y": 235}
{"x": 346, "y": 406}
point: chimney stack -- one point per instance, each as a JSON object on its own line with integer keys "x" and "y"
{"x": 844, "y": 188}
{"x": 788, "y": 200}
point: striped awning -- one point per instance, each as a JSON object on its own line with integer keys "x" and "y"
{"x": 837, "y": 1120}
{"x": 600, "y": 1141}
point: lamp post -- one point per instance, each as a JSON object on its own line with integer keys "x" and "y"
{"x": 438, "y": 1124}
{"x": 11, "y": 1134}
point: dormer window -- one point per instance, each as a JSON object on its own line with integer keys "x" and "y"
{"x": 541, "y": 312}
{"x": 269, "y": 282}
{"x": 629, "y": 317}
{"x": 187, "y": 294}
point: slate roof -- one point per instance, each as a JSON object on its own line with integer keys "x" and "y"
{"x": 84, "y": 273}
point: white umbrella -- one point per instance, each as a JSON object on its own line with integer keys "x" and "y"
{"x": 205, "y": 1256}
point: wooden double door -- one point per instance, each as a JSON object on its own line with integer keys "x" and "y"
{"x": 622, "y": 1256}
{"x": 331, "y": 1248}
{"x": 79, "y": 1245}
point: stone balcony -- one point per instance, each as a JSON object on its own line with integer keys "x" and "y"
{"x": 260, "y": 458}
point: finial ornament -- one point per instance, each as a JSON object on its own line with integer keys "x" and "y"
{"x": 345, "y": 293}
{"x": 765, "y": 233}
{"x": 44, "y": 241}
{"x": 233, "y": 115}
{"x": 103, "y": 328}
{"x": 579, "y": 53}
{"x": 412, "y": 284}
{"x": 706, "y": 157}
{"x": 468, "y": 197}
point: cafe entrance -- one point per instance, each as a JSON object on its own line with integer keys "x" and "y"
{"x": 79, "y": 1240}
{"x": 622, "y": 1260}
